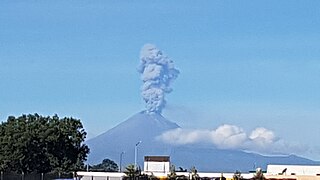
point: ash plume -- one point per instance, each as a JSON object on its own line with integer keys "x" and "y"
{"x": 157, "y": 73}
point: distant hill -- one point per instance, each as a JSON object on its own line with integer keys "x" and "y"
{"x": 145, "y": 127}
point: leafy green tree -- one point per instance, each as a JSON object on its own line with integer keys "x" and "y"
{"x": 33, "y": 143}
{"x": 106, "y": 165}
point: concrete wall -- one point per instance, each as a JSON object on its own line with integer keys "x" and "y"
{"x": 293, "y": 169}
{"x": 100, "y": 175}
{"x": 157, "y": 167}
{"x": 118, "y": 176}
{"x": 291, "y": 177}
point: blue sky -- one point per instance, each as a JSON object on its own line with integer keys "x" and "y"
{"x": 246, "y": 63}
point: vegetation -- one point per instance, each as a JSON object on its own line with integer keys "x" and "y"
{"x": 37, "y": 144}
{"x": 133, "y": 173}
{"x": 194, "y": 174}
{"x": 259, "y": 175}
{"x": 172, "y": 175}
{"x": 237, "y": 175}
{"x": 221, "y": 177}
{"x": 106, "y": 165}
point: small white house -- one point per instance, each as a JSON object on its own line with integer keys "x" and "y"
{"x": 157, "y": 164}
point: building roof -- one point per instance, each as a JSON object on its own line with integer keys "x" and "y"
{"x": 157, "y": 158}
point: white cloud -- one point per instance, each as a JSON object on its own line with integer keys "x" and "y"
{"x": 260, "y": 140}
{"x": 228, "y": 136}
{"x": 180, "y": 136}
{"x": 262, "y": 134}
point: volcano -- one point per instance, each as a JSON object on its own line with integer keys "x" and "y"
{"x": 147, "y": 127}
{"x": 157, "y": 73}
{"x": 142, "y": 127}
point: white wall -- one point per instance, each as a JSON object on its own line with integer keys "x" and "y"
{"x": 100, "y": 175}
{"x": 296, "y": 169}
{"x": 150, "y": 166}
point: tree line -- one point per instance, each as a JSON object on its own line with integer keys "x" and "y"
{"x": 37, "y": 144}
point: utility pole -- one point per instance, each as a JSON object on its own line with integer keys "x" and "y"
{"x": 135, "y": 154}
{"x": 120, "y": 162}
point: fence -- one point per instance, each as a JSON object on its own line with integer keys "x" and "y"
{"x": 35, "y": 176}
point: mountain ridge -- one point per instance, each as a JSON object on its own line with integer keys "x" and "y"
{"x": 146, "y": 127}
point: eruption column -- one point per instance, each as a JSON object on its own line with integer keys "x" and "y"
{"x": 157, "y": 72}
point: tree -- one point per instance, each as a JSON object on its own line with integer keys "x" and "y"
{"x": 106, "y": 165}
{"x": 259, "y": 174}
{"x": 237, "y": 175}
{"x": 173, "y": 174}
{"x": 221, "y": 177}
{"x": 131, "y": 172}
{"x": 194, "y": 173}
{"x": 33, "y": 143}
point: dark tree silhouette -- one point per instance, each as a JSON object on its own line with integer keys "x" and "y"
{"x": 106, "y": 165}
{"x": 33, "y": 143}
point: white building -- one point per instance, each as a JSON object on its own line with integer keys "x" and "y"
{"x": 157, "y": 164}
{"x": 293, "y": 170}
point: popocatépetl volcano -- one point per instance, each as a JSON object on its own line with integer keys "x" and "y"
{"x": 146, "y": 127}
